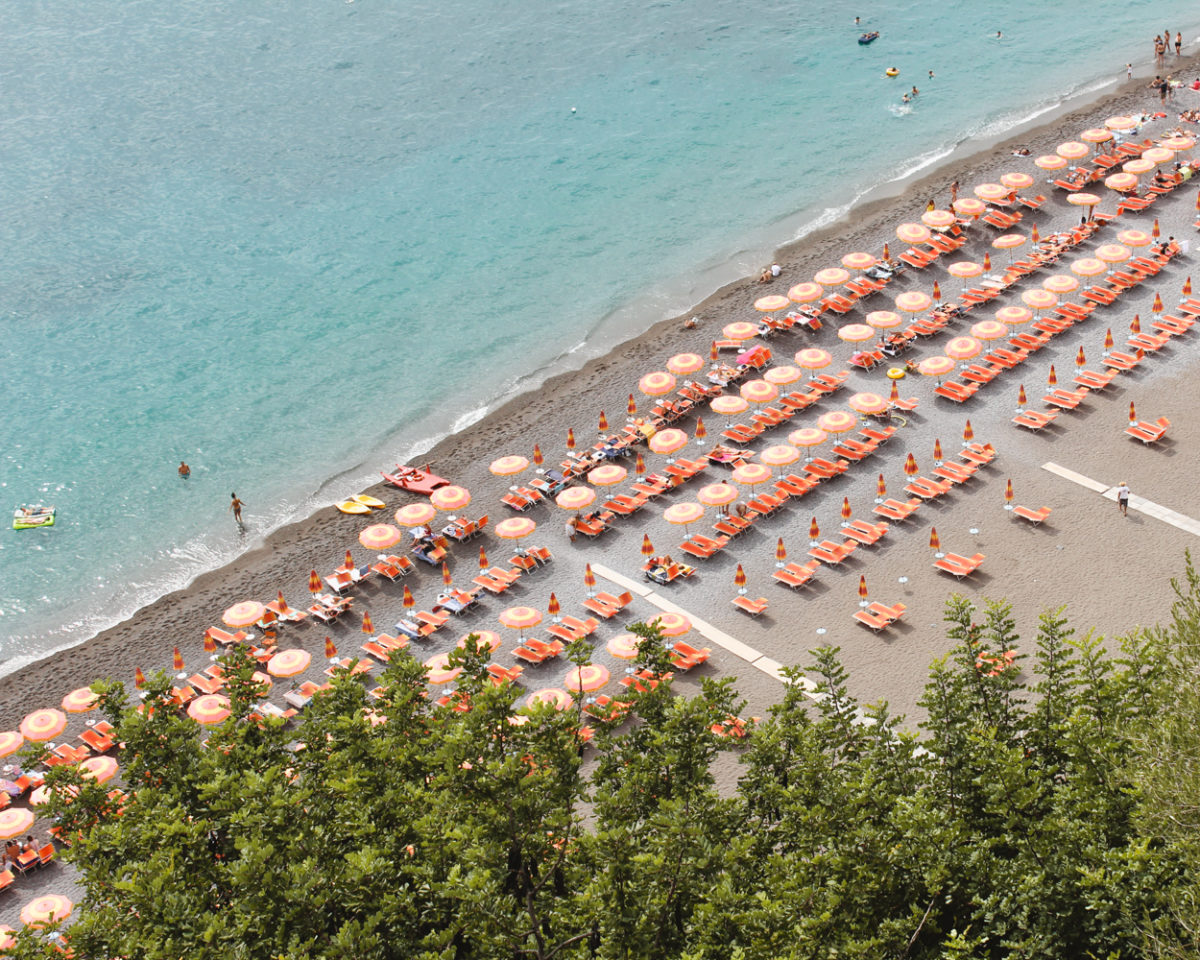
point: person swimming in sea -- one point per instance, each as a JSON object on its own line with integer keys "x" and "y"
{"x": 184, "y": 470}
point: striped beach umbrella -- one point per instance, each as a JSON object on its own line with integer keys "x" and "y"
{"x": 858, "y": 260}
{"x": 758, "y": 391}
{"x": 606, "y": 475}
{"x": 683, "y": 514}
{"x": 880, "y": 490}
{"x": 367, "y": 626}
{"x": 668, "y": 441}
{"x": 910, "y": 466}
{"x": 1072, "y": 150}
{"x": 447, "y": 576}
{"x": 831, "y": 276}
{"x": 1157, "y": 306}
{"x": 647, "y": 546}
{"x": 1039, "y": 299}
{"x": 639, "y": 464}
{"x": 962, "y": 348}
{"x": 11, "y": 741}
{"x": 968, "y": 434}
{"x": 716, "y": 495}
{"x": 780, "y": 553}
{"x": 556, "y": 697}
{"x": 935, "y": 367}
{"x": 589, "y": 579}
{"x": 570, "y": 438}
{"x": 912, "y": 233}
{"x": 807, "y": 437}
{"x": 935, "y": 542}
{"x": 1187, "y": 286}
{"x": 487, "y": 640}
{"x": 806, "y": 292}
{"x": 288, "y": 663}
{"x": 514, "y": 528}
{"x": 913, "y": 301}
{"x": 1021, "y": 400}
{"x": 450, "y": 498}
{"x": 813, "y": 358}
{"x": 750, "y": 474}
{"x": 847, "y": 513}
{"x": 243, "y": 614}
{"x": 1017, "y": 180}
{"x": 657, "y": 383}
{"x": 602, "y": 423}
{"x": 100, "y": 769}
{"x": 779, "y": 455}
{"x": 415, "y": 515}
{"x": 867, "y": 403}
{"x": 728, "y": 405}
{"x": 14, "y": 821}
{"x": 538, "y": 459}
{"x": 407, "y": 600}
{"x": 139, "y": 678}
{"x": 1008, "y": 495}
{"x": 700, "y": 432}
{"x": 1080, "y": 358}
{"x": 314, "y": 582}
{"x": 331, "y": 650}
{"x": 521, "y": 618}
{"x": 856, "y": 333}
{"x": 438, "y": 669}
{"x": 739, "y": 579}
{"x": 740, "y": 330}
{"x": 771, "y": 303}
{"x": 781, "y": 376}
{"x": 938, "y": 219}
{"x": 209, "y": 708}
{"x": 937, "y": 292}
{"x": 624, "y": 646}
{"x": 685, "y": 363}
{"x": 837, "y": 421}
{"x": 969, "y": 207}
{"x": 1013, "y": 315}
{"x": 585, "y": 679}
{"x": 1050, "y": 162}
{"x": 46, "y": 909}
{"x": 1060, "y": 283}
{"x": 1132, "y": 413}
{"x": 862, "y": 590}
{"x": 814, "y": 532}
{"x": 991, "y": 191}
{"x": 989, "y": 330}
{"x": 1108, "y": 341}
{"x": 965, "y": 269}
{"x": 1135, "y": 325}
{"x": 937, "y": 451}
{"x": 883, "y": 319}
{"x": 671, "y": 624}
{"x": 380, "y": 536}
{"x": 177, "y": 660}
{"x": 80, "y": 700}
{"x": 508, "y": 466}
{"x": 553, "y": 608}
{"x": 210, "y": 645}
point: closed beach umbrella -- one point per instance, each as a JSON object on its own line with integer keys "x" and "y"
{"x": 407, "y": 600}
{"x": 1008, "y": 494}
{"x": 139, "y": 678}
{"x": 647, "y": 546}
{"x": 965, "y": 269}
{"x": 883, "y": 319}
{"x": 806, "y": 292}
{"x": 1187, "y": 287}
{"x": 681, "y": 514}
{"x": 438, "y": 669}
{"x": 715, "y": 495}
{"x": 837, "y": 421}
{"x": 937, "y": 291}
{"x": 508, "y": 466}
{"x": 847, "y": 513}
{"x": 910, "y": 466}
{"x": 813, "y": 358}
{"x": 1108, "y": 341}
{"x": 557, "y": 697}
{"x": 728, "y": 405}
{"x": 447, "y": 577}
{"x": 1034, "y": 235}
{"x": 700, "y": 432}
{"x": 758, "y": 391}
{"x": 880, "y": 489}
{"x": 602, "y": 423}
{"x": 969, "y": 207}
{"x": 1013, "y": 315}
{"x": 46, "y": 909}
{"x": 1017, "y": 181}
{"x": 176, "y": 664}
{"x": 11, "y": 741}
{"x": 1088, "y": 267}
{"x": 380, "y": 536}
{"x": 483, "y": 559}
{"x": 80, "y": 700}
{"x": 912, "y": 232}
{"x": 1039, "y": 299}
{"x": 43, "y": 724}
{"x": 1021, "y": 401}
{"x": 913, "y": 302}
{"x": 685, "y": 363}
{"x": 780, "y": 553}
{"x": 367, "y": 626}
{"x": 856, "y": 333}
{"x": 514, "y": 528}
{"x": 935, "y": 542}
{"x": 937, "y": 450}
{"x": 1157, "y": 306}
{"x": 1113, "y": 253}
{"x": 991, "y": 191}
{"x": 243, "y": 614}
{"x": 1052, "y": 379}
{"x": 968, "y": 434}
{"x": 553, "y": 608}
{"x": 210, "y": 645}
{"x": 739, "y": 579}
{"x": 858, "y": 261}
{"x": 1121, "y": 182}
{"x": 415, "y": 514}
{"x": 1080, "y": 358}
{"x": 938, "y": 219}
{"x": 1060, "y": 283}
{"x": 589, "y": 677}
{"x": 668, "y": 441}
{"x": 750, "y": 474}
{"x": 606, "y": 475}
{"x": 624, "y": 646}
{"x": 989, "y": 330}
{"x": 450, "y": 498}
{"x": 831, "y": 277}
{"x": 589, "y": 578}
{"x": 1072, "y": 150}
{"x": 741, "y": 330}
{"x": 631, "y": 403}
{"x": 639, "y": 464}
{"x": 779, "y": 376}
{"x": 576, "y": 498}
{"x": 1132, "y": 413}
{"x": 963, "y": 348}
{"x": 771, "y": 303}
{"x": 15, "y": 821}
{"x": 658, "y": 382}
{"x": 867, "y": 403}
{"x": 100, "y": 769}
{"x": 671, "y": 624}
{"x": 1154, "y": 231}
{"x": 935, "y": 367}
{"x": 209, "y": 708}
{"x": 1050, "y": 162}
{"x": 814, "y": 532}
{"x": 570, "y": 438}
{"x": 862, "y": 590}
{"x": 288, "y": 663}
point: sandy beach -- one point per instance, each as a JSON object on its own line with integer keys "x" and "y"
{"x": 1111, "y": 571}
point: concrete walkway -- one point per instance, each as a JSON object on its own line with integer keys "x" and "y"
{"x": 1140, "y": 504}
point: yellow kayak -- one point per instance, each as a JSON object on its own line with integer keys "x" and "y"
{"x": 369, "y": 502}
{"x": 352, "y": 506}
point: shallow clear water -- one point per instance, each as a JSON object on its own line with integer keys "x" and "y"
{"x": 254, "y": 237}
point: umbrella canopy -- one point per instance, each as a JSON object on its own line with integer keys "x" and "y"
{"x": 367, "y": 626}
{"x": 1060, "y": 283}
{"x": 991, "y": 191}
{"x": 606, "y": 475}
{"x": 912, "y": 232}
{"x": 771, "y": 303}
{"x": 1157, "y": 155}
{"x": 537, "y": 451}
{"x": 1088, "y": 267}
{"x": 15, "y": 821}
{"x": 814, "y": 531}
{"x": 965, "y": 269}
{"x": 807, "y": 437}
{"x": 1052, "y": 377}
{"x": 935, "y": 542}
{"x": 856, "y": 333}
{"x": 968, "y": 434}
{"x": 557, "y": 697}
{"x": 867, "y": 403}
{"x": 813, "y": 358}
{"x": 780, "y": 552}
{"x": 1121, "y": 182}
{"x": 837, "y": 421}
{"x": 937, "y": 450}
{"x": 1096, "y": 135}
{"x": 938, "y": 219}
{"x": 447, "y": 576}
{"x": 487, "y": 640}
{"x": 682, "y": 514}
{"x": 883, "y": 319}
{"x": 10, "y": 742}
{"x": 380, "y": 536}
{"x": 1082, "y": 199}
{"x": 1134, "y": 238}
{"x": 1072, "y": 150}
{"x": 1178, "y": 144}
{"x": 858, "y": 261}
{"x": 935, "y": 366}
{"x": 1108, "y": 340}
{"x": 1121, "y": 122}
{"x": 1021, "y": 400}
{"x": 668, "y": 441}
{"x": 659, "y": 382}
{"x": 1008, "y": 494}
{"x": 729, "y": 405}
{"x": 44, "y": 724}
{"x": 739, "y": 578}
{"x": 741, "y": 330}
{"x": 1013, "y": 315}
{"x": 438, "y": 669}
{"x": 647, "y": 546}
{"x": 1039, "y": 299}
{"x": 685, "y": 363}
{"x": 80, "y": 700}
{"x": 779, "y": 455}
{"x": 1137, "y": 167}
{"x": 671, "y": 624}
{"x": 758, "y": 391}
{"x": 243, "y": 614}
{"x": 589, "y": 578}
{"x": 1008, "y": 241}
{"x": 46, "y": 909}
{"x": 591, "y": 676}
{"x": 913, "y": 302}
{"x": 1113, "y": 253}
{"x": 847, "y": 513}
{"x": 415, "y": 514}
{"x": 624, "y": 646}
{"x": 521, "y": 618}
{"x": 969, "y": 207}
{"x": 963, "y": 348}
{"x": 288, "y": 663}
{"x": 514, "y": 528}
{"x": 750, "y": 474}
{"x": 831, "y": 276}
{"x": 989, "y": 330}
{"x": 209, "y": 708}
{"x": 1050, "y": 162}
{"x": 509, "y": 466}
{"x": 1080, "y": 357}
{"x": 910, "y": 466}
{"x": 100, "y": 769}
{"x": 1017, "y": 181}
{"x": 450, "y": 498}
{"x": 779, "y": 376}
{"x": 576, "y": 498}
{"x": 806, "y": 292}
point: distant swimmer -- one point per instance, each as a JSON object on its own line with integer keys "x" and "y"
{"x": 892, "y": 72}
{"x": 184, "y": 470}
{"x": 915, "y": 91}
{"x": 930, "y": 74}
{"x": 999, "y": 35}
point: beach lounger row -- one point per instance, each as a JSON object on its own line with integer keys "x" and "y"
{"x": 879, "y": 616}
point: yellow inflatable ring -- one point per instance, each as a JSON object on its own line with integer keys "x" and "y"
{"x": 896, "y": 373}
{"x": 892, "y": 72}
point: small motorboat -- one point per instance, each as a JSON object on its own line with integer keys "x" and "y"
{"x": 29, "y": 515}
{"x": 868, "y": 37}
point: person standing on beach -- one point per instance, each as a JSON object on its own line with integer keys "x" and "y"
{"x": 1129, "y": 71}
{"x": 1123, "y": 498}
{"x": 953, "y": 192}
{"x": 184, "y": 470}
{"x": 236, "y": 506}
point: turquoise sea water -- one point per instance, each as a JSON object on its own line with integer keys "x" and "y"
{"x": 252, "y": 235}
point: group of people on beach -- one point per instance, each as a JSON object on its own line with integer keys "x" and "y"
{"x": 16, "y": 848}
{"x": 1162, "y": 41}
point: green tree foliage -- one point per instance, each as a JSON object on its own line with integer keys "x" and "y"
{"x": 1009, "y": 825}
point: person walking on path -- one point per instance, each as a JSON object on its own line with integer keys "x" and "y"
{"x": 236, "y": 506}
{"x": 1123, "y": 498}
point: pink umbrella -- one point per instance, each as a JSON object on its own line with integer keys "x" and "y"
{"x": 1121, "y": 182}
{"x": 807, "y": 437}
{"x": 1113, "y": 253}
{"x": 806, "y": 292}
{"x": 965, "y": 269}
{"x": 729, "y": 406}
{"x": 969, "y": 207}
{"x": 576, "y": 498}
{"x": 415, "y": 514}
{"x": 741, "y": 330}
{"x": 779, "y": 455}
{"x": 1017, "y": 181}
{"x": 867, "y": 403}
{"x": 991, "y": 191}
{"x": 43, "y": 724}
{"x": 938, "y": 219}
{"x": 758, "y": 391}
{"x": 668, "y": 441}
{"x": 750, "y": 474}
{"x": 963, "y": 348}
{"x": 837, "y": 421}
{"x": 717, "y": 494}
{"x": 1013, "y": 315}
{"x": 380, "y": 536}
{"x": 812, "y": 358}
{"x": 658, "y": 383}
{"x": 508, "y": 466}
{"x": 913, "y": 302}
{"x": 1073, "y": 150}
{"x": 606, "y": 475}
{"x": 935, "y": 367}
{"x": 1088, "y": 267}
{"x": 831, "y": 276}
{"x": 450, "y": 498}
{"x": 858, "y": 261}
{"x": 685, "y": 363}
{"x": 782, "y": 375}
{"x": 1060, "y": 283}
{"x": 1050, "y": 162}
{"x": 682, "y": 514}
{"x": 912, "y": 233}
{"x": 883, "y": 319}
{"x": 856, "y": 333}
{"x": 771, "y": 303}
{"x": 1039, "y": 299}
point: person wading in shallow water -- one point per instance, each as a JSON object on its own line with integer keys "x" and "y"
{"x": 236, "y": 506}
{"x": 184, "y": 470}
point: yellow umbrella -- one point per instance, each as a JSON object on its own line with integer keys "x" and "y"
{"x": 913, "y": 302}
{"x": 989, "y": 330}
{"x": 831, "y": 276}
{"x": 1013, "y": 315}
{"x": 380, "y": 536}
{"x": 685, "y": 363}
{"x": 1050, "y": 162}
{"x": 867, "y": 403}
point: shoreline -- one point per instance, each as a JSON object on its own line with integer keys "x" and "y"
{"x": 319, "y": 539}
